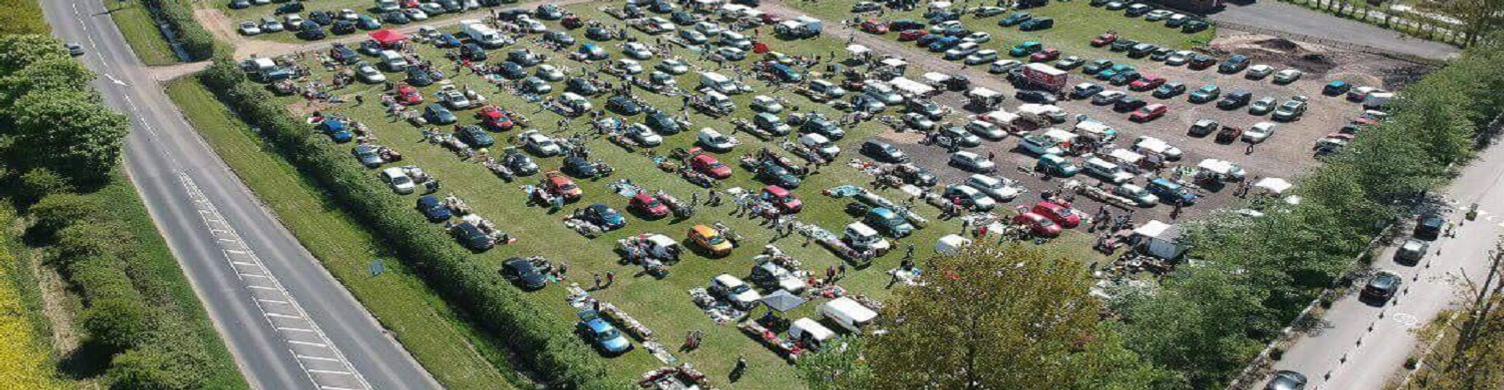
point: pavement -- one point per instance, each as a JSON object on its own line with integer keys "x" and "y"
{"x": 288, "y": 323}
{"x": 1359, "y": 345}
{"x": 1290, "y": 18}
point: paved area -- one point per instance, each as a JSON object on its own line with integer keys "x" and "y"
{"x": 1360, "y": 344}
{"x": 288, "y": 323}
{"x": 1278, "y": 16}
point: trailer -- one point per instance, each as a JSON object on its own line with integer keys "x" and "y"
{"x": 1042, "y": 76}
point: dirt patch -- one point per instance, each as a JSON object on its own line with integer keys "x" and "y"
{"x": 1321, "y": 61}
{"x": 1316, "y": 60}
{"x": 224, "y": 29}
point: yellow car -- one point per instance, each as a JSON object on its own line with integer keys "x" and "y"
{"x": 710, "y": 239}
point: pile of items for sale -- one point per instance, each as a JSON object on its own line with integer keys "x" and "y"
{"x": 721, "y": 312}
{"x": 681, "y": 377}
{"x": 653, "y": 252}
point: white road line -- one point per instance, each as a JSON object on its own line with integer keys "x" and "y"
{"x": 262, "y": 288}
{"x": 330, "y": 372}
{"x": 322, "y": 359}
{"x": 253, "y": 275}
{"x": 308, "y": 343}
{"x": 294, "y": 329}
{"x": 280, "y": 315}
{"x": 272, "y": 301}
{"x": 335, "y": 388}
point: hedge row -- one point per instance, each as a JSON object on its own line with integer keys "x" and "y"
{"x": 178, "y": 14}
{"x": 95, "y": 253}
{"x": 544, "y": 342}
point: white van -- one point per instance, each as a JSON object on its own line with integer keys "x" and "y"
{"x": 720, "y": 101}
{"x": 482, "y": 34}
{"x": 393, "y": 61}
{"x": 1108, "y": 171}
{"x": 861, "y": 237}
{"x": 848, "y": 313}
{"x": 575, "y": 102}
{"x": 718, "y": 83}
{"x": 810, "y": 332}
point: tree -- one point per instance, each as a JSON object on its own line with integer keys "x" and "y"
{"x": 842, "y": 364}
{"x": 51, "y": 73}
{"x": 68, "y": 132}
{"x": 18, "y": 51}
{"x": 997, "y": 317}
{"x": 1197, "y": 323}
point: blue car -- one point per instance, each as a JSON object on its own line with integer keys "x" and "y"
{"x": 1169, "y": 192}
{"x": 787, "y": 73}
{"x": 447, "y": 40}
{"x": 439, "y": 115}
{"x": 337, "y": 130}
{"x": 433, "y": 209}
{"x": 605, "y": 216}
{"x": 944, "y": 44}
{"x": 1336, "y": 88}
{"x": 601, "y": 334}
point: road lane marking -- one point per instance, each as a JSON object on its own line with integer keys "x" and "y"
{"x": 308, "y": 343}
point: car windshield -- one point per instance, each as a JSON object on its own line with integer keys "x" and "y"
{"x": 568, "y": 186}
{"x": 1045, "y": 222}
{"x": 716, "y": 240}
{"x": 608, "y": 334}
{"x": 401, "y": 180}
{"x": 740, "y": 289}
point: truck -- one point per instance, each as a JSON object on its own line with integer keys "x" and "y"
{"x": 482, "y": 34}
{"x": 1042, "y": 76}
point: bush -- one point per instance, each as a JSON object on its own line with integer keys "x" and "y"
{"x": 154, "y": 368}
{"x": 118, "y": 323}
{"x": 178, "y": 14}
{"x": 57, "y": 211}
{"x": 544, "y": 342}
{"x": 41, "y": 182}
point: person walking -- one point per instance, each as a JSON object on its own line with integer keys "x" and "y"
{"x": 610, "y": 278}
{"x": 597, "y": 280}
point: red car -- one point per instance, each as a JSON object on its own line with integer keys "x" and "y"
{"x": 785, "y": 200}
{"x": 709, "y": 166}
{"x": 558, "y": 184}
{"x": 912, "y": 35}
{"x": 1146, "y": 83}
{"x": 408, "y": 95}
{"x": 1104, "y": 40}
{"x": 875, "y": 26}
{"x": 494, "y": 119}
{"x": 1046, "y": 55}
{"x": 1038, "y": 225}
{"x": 771, "y": 19}
{"x": 1060, "y": 215}
{"x": 1149, "y": 113}
{"x": 647, "y": 204}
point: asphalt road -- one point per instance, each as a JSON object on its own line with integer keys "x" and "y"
{"x": 1361, "y": 344}
{"x": 287, "y": 322}
{"x": 1280, "y": 16}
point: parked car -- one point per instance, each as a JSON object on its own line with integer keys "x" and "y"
{"x": 1286, "y": 380}
{"x": 522, "y": 273}
{"x": 1382, "y": 286}
{"x": 1262, "y": 106}
{"x": 1037, "y": 225}
{"x": 1234, "y": 64}
{"x": 601, "y": 334}
{"x": 1235, "y": 100}
{"x": 1259, "y": 132}
{"x": 972, "y": 162}
{"x": 1169, "y": 90}
{"x": 883, "y": 151}
{"x": 1149, "y": 113}
{"x": 433, "y": 209}
{"x": 1205, "y": 94}
{"x": 1287, "y": 76}
{"x": 1411, "y": 251}
{"x": 1203, "y": 128}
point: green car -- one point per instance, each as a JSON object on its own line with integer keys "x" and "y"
{"x": 1056, "y": 165}
{"x": 1026, "y": 48}
{"x": 1109, "y": 73}
{"x": 1205, "y": 94}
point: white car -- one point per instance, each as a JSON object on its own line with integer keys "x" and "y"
{"x": 978, "y": 37}
{"x": 249, "y": 28}
{"x": 1259, "y": 132}
{"x": 946, "y": 25}
{"x": 694, "y": 37}
{"x": 637, "y": 50}
{"x": 1258, "y": 72}
{"x": 1155, "y": 145}
{"x": 977, "y": 200}
{"x": 1003, "y": 66}
{"x": 710, "y": 29}
{"x": 628, "y": 66}
{"x": 369, "y": 74}
{"x": 349, "y": 14}
{"x": 972, "y": 162}
{"x": 550, "y": 72}
{"x": 715, "y": 141}
{"x": 981, "y": 57}
{"x": 1040, "y": 145}
{"x": 765, "y": 103}
{"x": 1000, "y": 188}
{"x": 398, "y": 180}
{"x": 1179, "y": 58}
{"x": 270, "y": 24}
{"x": 1287, "y": 76}
{"x": 673, "y": 67}
{"x": 540, "y": 144}
{"x": 735, "y": 290}
{"x": 1157, "y": 15}
{"x": 986, "y": 130}
{"x": 1139, "y": 195}
{"x": 820, "y": 144}
{"x": 415, "y": 14}
{"x": 292, "y": 21}
{"x": 1107, "y": 97}
{"x": 644, "y": 135}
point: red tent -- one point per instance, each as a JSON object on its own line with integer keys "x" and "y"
{"x": 388, "y": 37}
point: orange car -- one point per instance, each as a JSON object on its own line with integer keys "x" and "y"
{"x": 710, "y": 240}
{"x": 560, "y": 185}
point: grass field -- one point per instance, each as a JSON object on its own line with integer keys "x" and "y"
{"x": 453, "y": 351}
{"x": 141, "y": 32}
{"x": 22, "y": 17}
{"x": 662, "y": 305}
{"x": 1076, "y": 23}
{"x": 25, "y": 360}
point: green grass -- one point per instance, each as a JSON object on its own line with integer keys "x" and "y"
{"x": 157, "y": 275}
{"x": 454, "y": 352}
{"x": 662, "y": 305}
{"x": 1076, "y": 23}
{"x": 22, "y": 17}
{"x": 141, "y": 32}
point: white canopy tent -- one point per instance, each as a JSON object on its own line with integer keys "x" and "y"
{"x": 857, "y": 50}
{"x": 1159, "y": 239}
{"x": 1274, "y": 185}
{"x": 912, "y": 87}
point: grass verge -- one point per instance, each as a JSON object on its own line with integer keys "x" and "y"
{"x": 457, "y": 354}
{"x": 25, "y": 361}
{"x": 141, "y": 32}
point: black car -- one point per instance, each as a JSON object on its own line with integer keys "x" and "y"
{"x": 1169, "y": 90}
{"x": 623, "y": 105}
{"x": 522, "y": 273}
{"x": 473, "y": 52}
{"x": 1234, "y": 64}
{"x": 471, "y": 237}
{"x": 437, "y": 114}
{"x": 1122, "y": 44}
{"x": 519, "y": 163}
{"x": 1202, "y": 61}
{"x": 419, "y": 77}
{"x": 367, "y": 22}
{"x": 581, "y": 86}
{"x": 1087, "y": 92}
{"x": 323, "y": 18}
{"x": 512, "y": 71}
{"x": 310, "y": 31}
{"x": 772, "y": 173}
{"x": 1286, "y": 380}
{"x": 1429, "y": 226}
{"x": 343, "y": 54}
{"x": 883, "y": 151}
{"x": 682, "y": 18}
{"x": 549, "y": 12}
{"x": 580, "y": 167}
{"x": 293, "y": 7}
{"x": 433, "y": 209}
{"x": 916, "y": 175}
{"x": 343, "y": 27}
{"x": 821, "y": 125}
{"x": 395, "y": 17}
{"x": 1235, "y": 100}
{"x": 598, "y": 33}
{"x": 1194, "y": 26}
{"x": 1382, "y": 286}
{"x": 1037, "y": 24}
{"x": 1032, "y": 96}
{"x": 475, "y": 136}
{"x": 1128, "y": 103}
